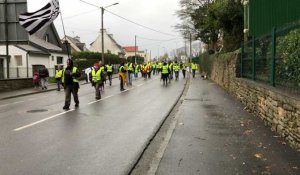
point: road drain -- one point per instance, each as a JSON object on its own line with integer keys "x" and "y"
{"x": 37, "y": 111}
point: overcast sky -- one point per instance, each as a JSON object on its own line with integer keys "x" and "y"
{"x": 85, "y": 21}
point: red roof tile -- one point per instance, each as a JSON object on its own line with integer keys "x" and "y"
{"x": 131, "y": 48}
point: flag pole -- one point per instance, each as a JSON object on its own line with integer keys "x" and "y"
{"x": 66, "y": 42}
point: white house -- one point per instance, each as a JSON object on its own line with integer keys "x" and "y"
{"x": 21, "y": 53}
{"x": 75, "y": 44}
{"x": 41, "y": 49}
{"x": 110, "y": 45}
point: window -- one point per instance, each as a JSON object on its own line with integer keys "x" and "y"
{"x": 47, "y": 38}
{"x": 59, "y": 60}
{"x": 18, "y": 59}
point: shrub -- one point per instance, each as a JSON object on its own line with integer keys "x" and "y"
{"x": 288, "y": 58}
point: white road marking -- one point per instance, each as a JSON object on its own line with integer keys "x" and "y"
{"x": 3, "y": 105}
{"x": 100, "y": 99}
{"x": 32, "y": 99}
{"x": 140, "y": 85}
{"x": 42, "y": 121}
{"x": 18, "y": 102}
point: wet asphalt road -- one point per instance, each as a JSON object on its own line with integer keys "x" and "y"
{"x": 214, "y": 135}
{"x": 104, "y": 137}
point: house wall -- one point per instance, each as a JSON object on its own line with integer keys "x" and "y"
{"x": 108, "y": 45}
{"x": 21, "y": 71}
{"x": 15, "y": 71}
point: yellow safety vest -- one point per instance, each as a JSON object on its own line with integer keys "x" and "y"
{"x": 96, "y": 76}
{"x": 130, "y": 68}
{"x": 165, "y": 69}
{"x": 176, "y": 67}
{"x": 58, "y": 73}
{"x": 75, "y": 80}
{"x": 194, "y": 66}
{"x": 109, "y": 68}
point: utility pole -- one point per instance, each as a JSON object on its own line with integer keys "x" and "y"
{"x": 190, "y": 46}
{"x": 135, "y": 49}
{"x": 185, "y": 53}
{"x": 6, "y": 38}
{"x": 102, "y": 35}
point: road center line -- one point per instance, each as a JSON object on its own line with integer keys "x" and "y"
{"x": 18, "y": 102}
{"x": 100, "y": 99}
{"x": 3, "y": 105}
{"x": 41, "y": 121}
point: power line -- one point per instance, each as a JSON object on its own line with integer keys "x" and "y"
{"x": 139, "y": 24}
{"x": 155, "y": 39}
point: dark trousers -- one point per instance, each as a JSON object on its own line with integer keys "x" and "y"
{"x": 97, "y": 90}
{"x": 194, "y": 72}
{"x": 165, "y": 78}
{"x": 58, "y": 82}
{"x": 121, "y": 83}
{"x": 176, "y": 74}
{"x": 109, "y": 74}
{"x": 71, "y": 89}
{"x": 183, "y": 73}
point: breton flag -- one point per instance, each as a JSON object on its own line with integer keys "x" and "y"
{"x": 33, "y": 22}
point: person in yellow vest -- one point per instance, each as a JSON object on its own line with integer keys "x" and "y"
{"x": 110, "y": 70}
{"x": 165, "y": 73}
{"x": 71, "y": 84}
{"x": 130, "y": 73}
{"x": 136, "y": 71}
{"x": 176, "y": 69}
{"x": 96, "y": 80}
{"x": 58, "y": 75}
{"x": 194, "y": 68}
{"x": 122, "y": 76}
{"x": 183, "y": 68}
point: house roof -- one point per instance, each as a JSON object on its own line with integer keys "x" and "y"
{"x": 42, "y": 43}
{"x": 131, "y": 48}
{"x": 110, "y": 36}
{"x": 31, "y": 49}
{"x": 76, "y": 43}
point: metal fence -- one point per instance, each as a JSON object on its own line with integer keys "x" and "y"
{"x": 274, "y": 58}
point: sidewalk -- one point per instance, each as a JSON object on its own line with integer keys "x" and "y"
{"x": 27, "y": 91}
{"x": 30, "y": 91}
{"x": 214, "y": 135}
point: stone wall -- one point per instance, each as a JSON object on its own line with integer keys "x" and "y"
{"x": 15, "y": 84}
{"x": 279, "y": 109}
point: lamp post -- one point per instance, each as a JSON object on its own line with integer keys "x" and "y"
{"x": 102, "y": 29}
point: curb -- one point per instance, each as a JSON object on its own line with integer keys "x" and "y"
{"x": 159, "y": 126}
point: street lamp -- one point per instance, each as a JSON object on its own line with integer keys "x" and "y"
{"x": 102, "y": 29}
{"x": 102, "y": 32}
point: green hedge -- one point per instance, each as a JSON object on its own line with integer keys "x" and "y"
{"x": 288, "y": 58}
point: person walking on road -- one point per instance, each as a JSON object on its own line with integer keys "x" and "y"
{"x": 176, "y": 70}
{"x": 183, "y": 67}
{"x": 110, "y": 70}
{"x": 71, "y": 84}
{"x": 130, "y": 73}
{"x": 122, "y": 76}
{"x": 96, "y": 80}
{"x": 58, "y": 75}
{"x": 165, "y": 73}
{"x": 44, "y": 74}
{"x": 194, "y": 68}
